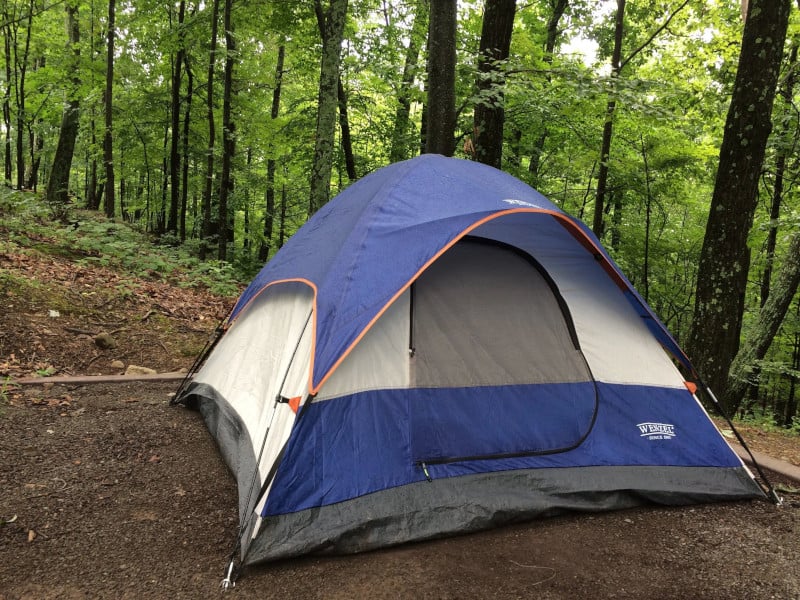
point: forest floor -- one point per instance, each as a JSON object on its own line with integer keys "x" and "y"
{"x": 106, "y": 491}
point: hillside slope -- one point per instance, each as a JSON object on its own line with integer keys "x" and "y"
{"x": 93, "y": 296}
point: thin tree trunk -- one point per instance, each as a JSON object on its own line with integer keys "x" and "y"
{"x": 791, "y": 400}
{"x": 269, "y": 209}
{"x": 400, "y": 143}
{"x": 647, "y": 221}
{"x": 161, "y": 220}
{"x": 760, "y": 334}
{"x": 209, "y": 179}
{"x": 175, "y": 113}
{"x": 331, "y": 24}
{"x": 775, "y": 207}
{"x": 617, "y": 64}
{"x": 559, "y": 8}
{"x": 187, "y": 120}
{"x": 108, "y": 147}
{"x": 94, "y": 194}
{"x": 8, "y": 154}
{"x": 35, "y": 147}
{"x": 489, "y": 118}
{"x": 20, "y": 73}
{"x": 608, "y": 125}
{"x": 441, "y": 102}
{"x": 228, "y": 135}
{"x": 57, "y": 192}
{"x": 344, "y": 126}
{"x": 787, "y": 92}
{"x": 284, "y": 205}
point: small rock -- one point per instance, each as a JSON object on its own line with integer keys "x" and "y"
{"x": 137, "y": 370}
{"x": 117, "y": 364}
{"x": 105, "y": 341}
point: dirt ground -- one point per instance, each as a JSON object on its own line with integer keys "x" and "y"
{"x": 112, "y": 493}
{"x": 106, "y": 491}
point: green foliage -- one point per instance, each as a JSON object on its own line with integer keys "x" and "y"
{"x": 92, "y": 239}
{"x": 670, "y": 104}
{"x": 764, "y": 419}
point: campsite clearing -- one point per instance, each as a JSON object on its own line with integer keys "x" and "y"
{"x": 108, "y": 492}
{"x": 118, "y": 495}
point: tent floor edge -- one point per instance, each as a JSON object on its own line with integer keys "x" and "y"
{"x": 483, "y": 501}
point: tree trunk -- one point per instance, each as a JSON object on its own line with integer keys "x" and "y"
{"x": 489, "y": 118}
{"x": 161, "y": 219}
{"x": 775, "y": 206}
{"x": 108, "y": 147}
{"x": 57, "y": 193}
{"x": 441, "y": 102}
{"x": 269, "y": 196}
{"x": 791, "y": 400}
{"x": 35, "y": 147}
{"x": 400, "y": 144}
{"x": 760, "y": 334}
{"x": 725, "y": 256}
{"x": 559, "y": 8}
{"x": 332, "y": 31}
{"x": 20, "y": 73}
{"x": 617, "y": 64}
{"x": 284, "y": 206}
{"x": 187, "y": 121}
{"x": 344, "y": 126}
{"x": 94, "y": 193}
{"x": 175, "y": 113}
{"x": 786, "y": 93}
{"x": 209, "y": 179}
{"x": 8, "y": 154}
{"x": 228, "y": 135}
{"x": 608, "y": 126}
{"x": 647, "y": 224}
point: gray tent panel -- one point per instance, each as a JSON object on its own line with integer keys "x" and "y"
{"x": 483, "y": 314}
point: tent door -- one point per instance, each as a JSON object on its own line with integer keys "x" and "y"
{"x": 497, "y": 366}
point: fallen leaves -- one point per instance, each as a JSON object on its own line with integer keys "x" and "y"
{"x": 163, "y": 320}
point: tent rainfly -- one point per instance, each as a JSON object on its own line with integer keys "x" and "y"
{"x": 440, "y": 349}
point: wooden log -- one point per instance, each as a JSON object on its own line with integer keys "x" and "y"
{"x": 89, "y": 379}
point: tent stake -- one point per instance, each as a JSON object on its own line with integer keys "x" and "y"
{"x": 229, "y": 582}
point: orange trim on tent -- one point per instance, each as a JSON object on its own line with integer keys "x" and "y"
{"x": 587, "y": 243}
{"x": 565, "y": 220}
{"x": 562, "y": 218}
{"x": 313, "y": 287}
{"x": 691, "y": 386}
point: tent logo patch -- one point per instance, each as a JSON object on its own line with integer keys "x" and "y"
{"x": 657, "y": 431}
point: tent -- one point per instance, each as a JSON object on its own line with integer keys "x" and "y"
{"x": 438, "y": 350}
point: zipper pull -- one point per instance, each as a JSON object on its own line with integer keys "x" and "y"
{"x": 425, "y": 470}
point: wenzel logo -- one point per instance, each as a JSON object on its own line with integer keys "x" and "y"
{"x": 657, "y": 431}
{"x": 519, "y": 203}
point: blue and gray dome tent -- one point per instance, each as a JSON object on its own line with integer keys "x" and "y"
{"x": 440, "y": 349}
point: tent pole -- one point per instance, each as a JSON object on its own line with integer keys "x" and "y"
{"x": 772, "y": 494}
{"x": 229, "y": 582}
